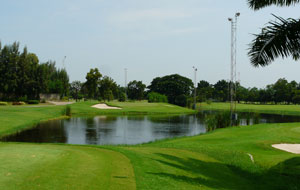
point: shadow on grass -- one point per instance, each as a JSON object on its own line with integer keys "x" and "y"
{"x": 285, "y": 175}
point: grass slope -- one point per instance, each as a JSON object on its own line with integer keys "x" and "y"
{"x": 275, "y": 109}
{"x": 220, "y": 160}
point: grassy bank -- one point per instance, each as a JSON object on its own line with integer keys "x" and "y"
{"x": 274, "y": 109}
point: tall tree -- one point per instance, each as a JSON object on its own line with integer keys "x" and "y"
{"x": 75, "y": 88}
{"x": 172, "y": 86}
{"x": 278, "y": 39}
{"x": 135, "y": 90}
{"x": 92, "y": 81}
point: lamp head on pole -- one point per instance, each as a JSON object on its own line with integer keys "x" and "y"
{"x": 237, "y": 14}
{"x": 230, "y": 19}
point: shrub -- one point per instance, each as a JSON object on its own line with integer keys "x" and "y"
{"x": 122, "y": 97}
{"x": 3, "y": 104}
{"x": 33, "y": 102}
{"x": 43, "y": 101}
{"x": 65, "y": 98}
{"x": 68, "y": 111}
{"x": 22, "y": 99}
{"x": 156, "y": 97}
{"x": 18, "y": 103}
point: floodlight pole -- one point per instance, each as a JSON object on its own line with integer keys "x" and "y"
{"x": 195, "y": 86}
{"x": 125, "y": 72}
{"x": 233, "y": 67}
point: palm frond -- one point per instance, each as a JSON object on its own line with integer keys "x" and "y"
{"x": 258, "y": 4}
{"x": 279, "y": 39}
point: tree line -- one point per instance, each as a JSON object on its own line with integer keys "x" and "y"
{"x": 23, "y": 77}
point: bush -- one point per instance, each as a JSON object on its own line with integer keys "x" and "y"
{"x": 156, "y": 97}
{"x": 3, "y": 104}
{"x": 181, "y": 100}
{"x": 22, "y": 99}
{"x": 18, "y": 103}
{"x": 122, "y": 97}
{"x": 68, "y": 111}
{"x": 65, "y": 98}
{"x": 33, "y": 102}
{"x": 43, "y": 101}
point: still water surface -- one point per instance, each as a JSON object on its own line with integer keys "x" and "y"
{"x": 129, "y": 129}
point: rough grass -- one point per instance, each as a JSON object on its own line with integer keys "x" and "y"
{"x": 274, "y": 109}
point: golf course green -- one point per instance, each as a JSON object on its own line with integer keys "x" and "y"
{"x": 217, "y": 160}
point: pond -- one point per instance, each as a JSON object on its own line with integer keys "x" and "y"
{"x": 103, "y": 130}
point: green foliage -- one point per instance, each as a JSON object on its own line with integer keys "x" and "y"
{"x": 68, "y": 111}
{"x": 108, "y": 95}
{"x": 92, "y": 81}
{"x": 108, "y": 88}
{"x": 172, "y": 86}
{"x": 217, "y": 121}
{"x": 3, "y": 103}
{"x": 122, "y": 97}
{"x": 135, "y": 90}
{"x": 181, "y": 100}
{"x": 280, "y": 38}
{"x": 23, "y": 78}
{"x": 156, "y": 97}
{"x": 33, "y": 101}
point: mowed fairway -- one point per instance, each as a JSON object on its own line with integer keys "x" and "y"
{"x": 30, "y": 166}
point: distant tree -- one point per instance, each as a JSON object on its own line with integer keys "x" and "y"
{"x": 221, "y": 90}
{"x": 92, "y": 81}
{"x": 172, "y": 86}
{"x": 204, "y": 91}
{"x": 136, "y": 90}
{"x": 75, "y": 88}
{"x": 281, "y": 90}
{"x": 108, "y": 84}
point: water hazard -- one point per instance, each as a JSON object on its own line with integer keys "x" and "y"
{"x": 129, "y": 129}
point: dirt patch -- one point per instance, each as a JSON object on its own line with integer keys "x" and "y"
{"x": 104, "y": 106}
{"x": 292, "y": 148}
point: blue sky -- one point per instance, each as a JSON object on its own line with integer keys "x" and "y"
{"x": 149, "y": 37}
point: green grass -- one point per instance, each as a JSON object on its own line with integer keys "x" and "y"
{"x": 217, "y": 160}
{"x": 138, "y": 107}
{"x": 274, "y": 109}
{"x": 30, "y": 166}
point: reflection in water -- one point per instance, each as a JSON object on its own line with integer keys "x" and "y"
{"x": 129, "y": 129}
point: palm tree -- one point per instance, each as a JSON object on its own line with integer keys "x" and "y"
{"x": 278, "y": 39}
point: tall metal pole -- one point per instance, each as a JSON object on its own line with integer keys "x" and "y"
{"x": 195, "y": 86}
{"x": 233, "y": 67}
{"x": 125, "y": 72}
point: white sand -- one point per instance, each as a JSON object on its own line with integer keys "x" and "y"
{"x": 60, "y": 103}
{"x": 292, "y": 148}
{"x": 104, "y": 106}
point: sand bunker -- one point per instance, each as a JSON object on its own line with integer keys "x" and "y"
{"x": 292, "y": 148}
{"x": 104, "y": 106}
